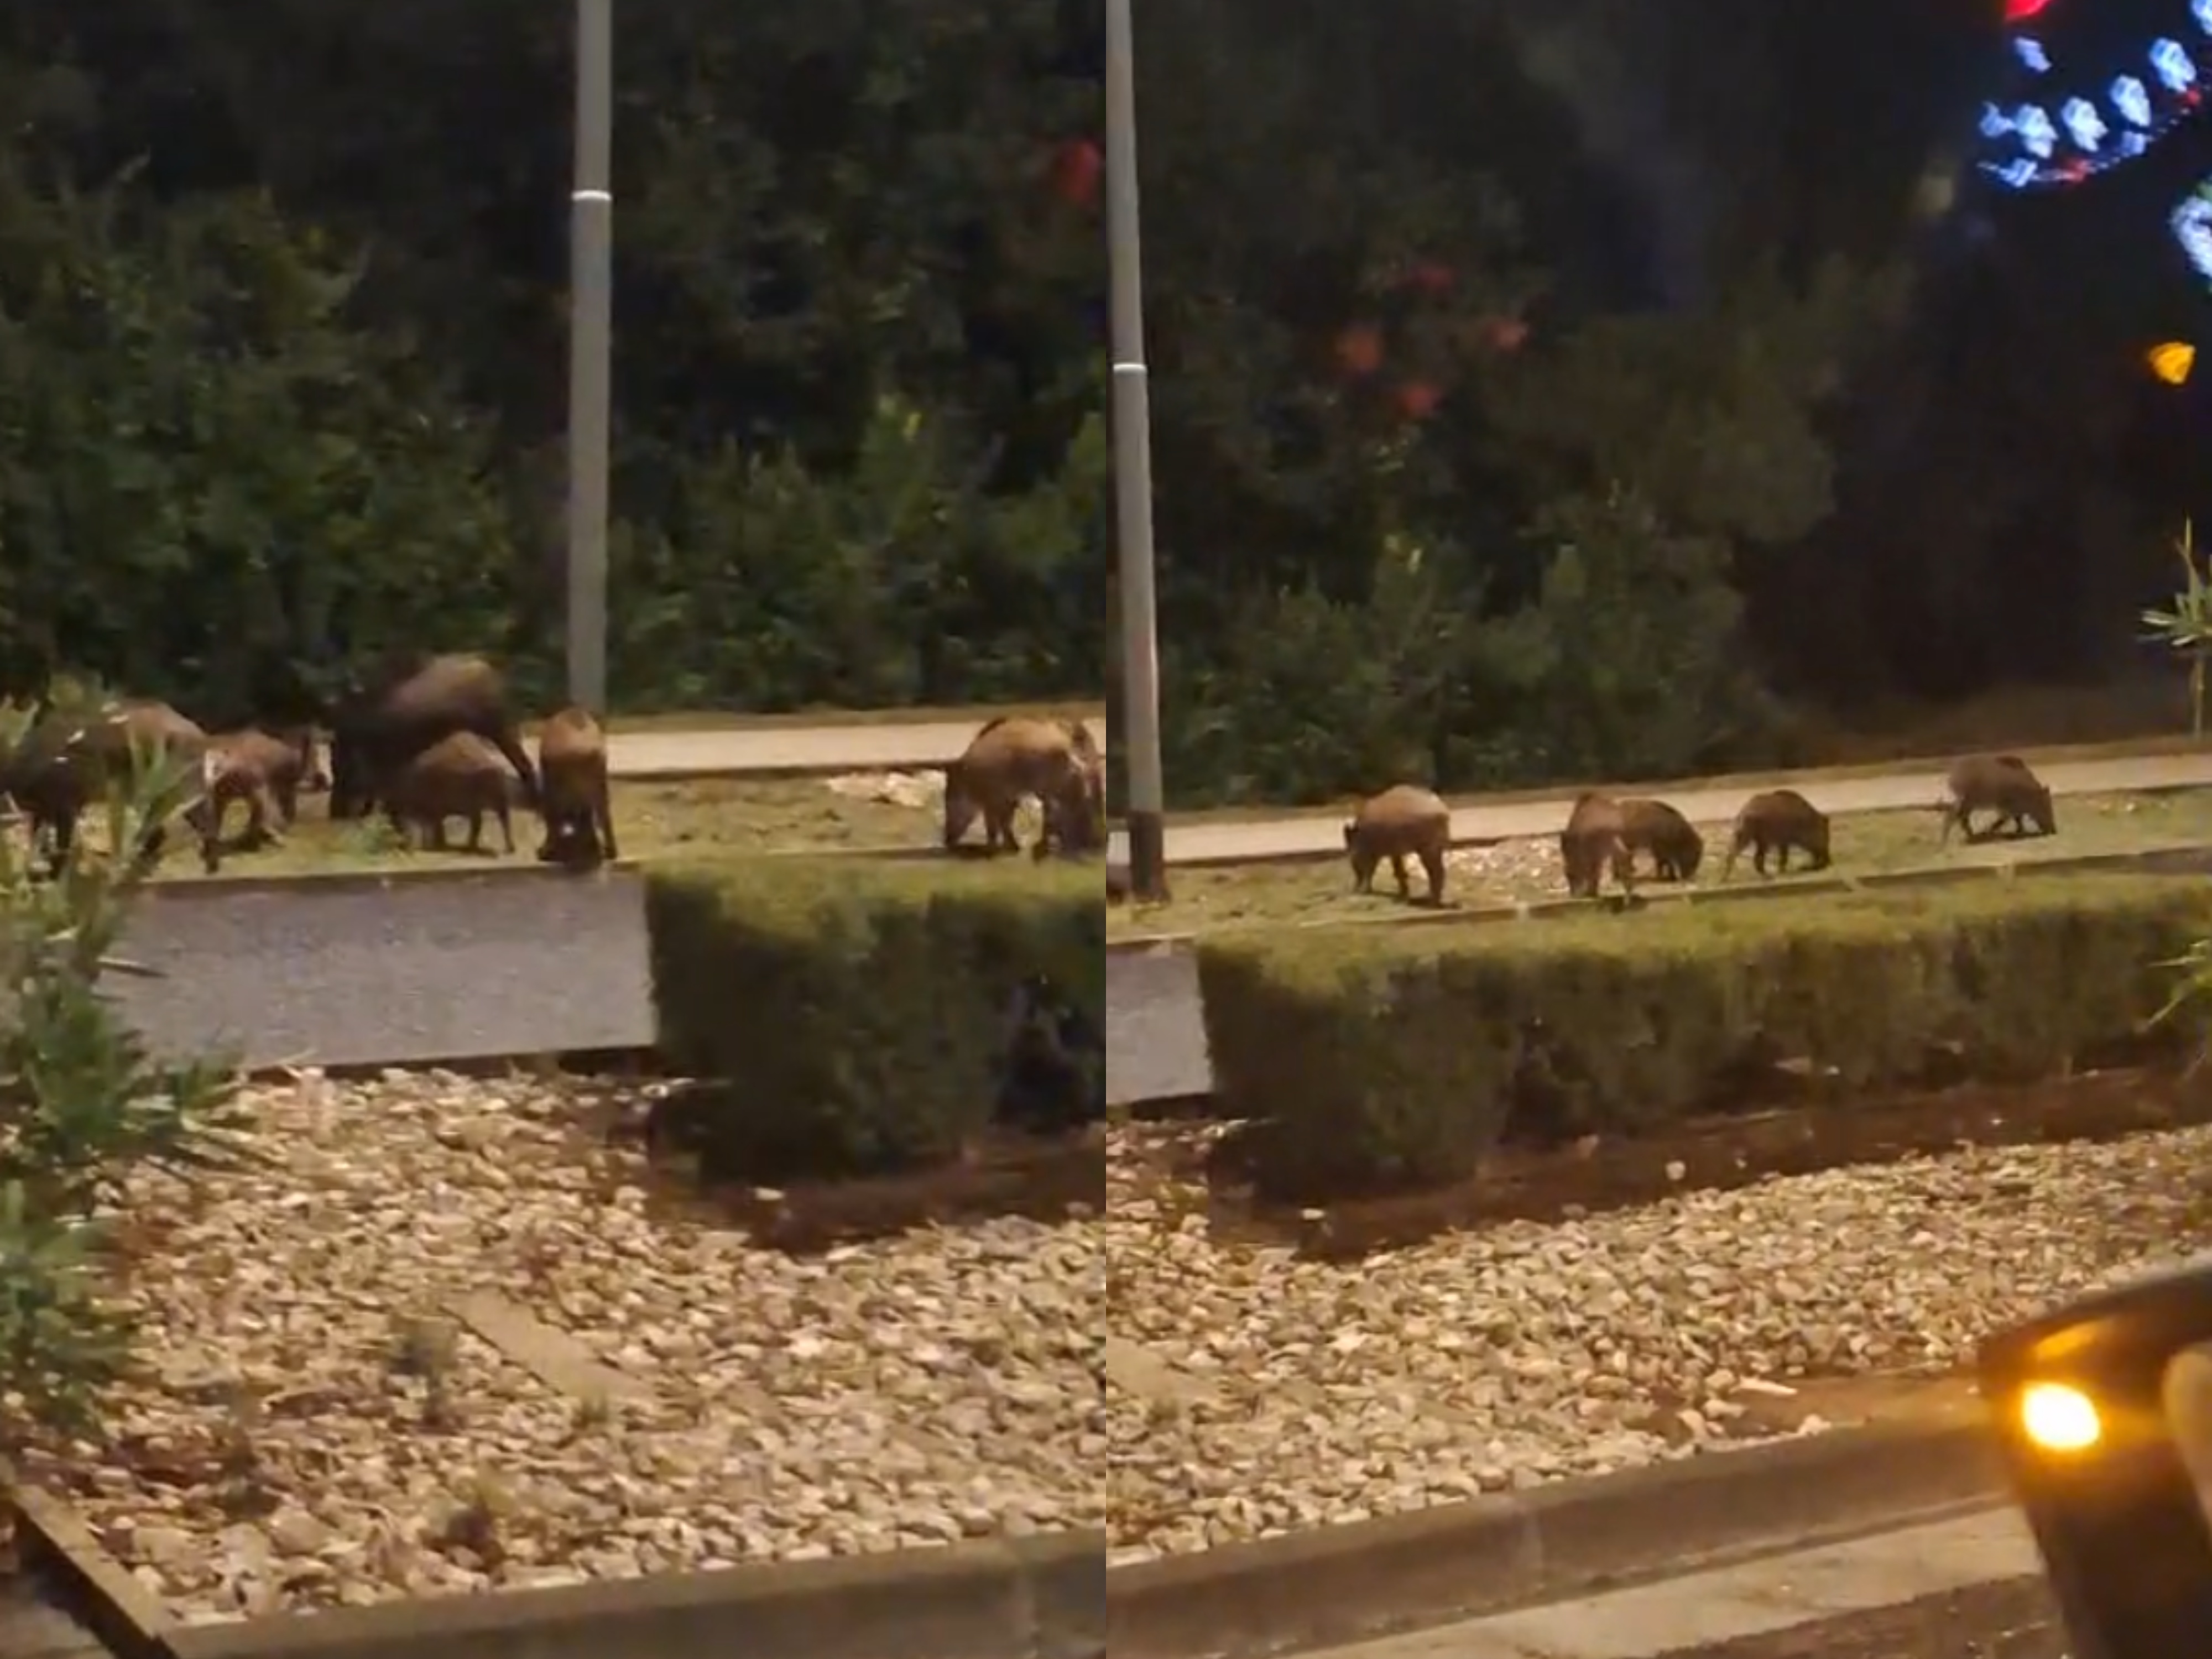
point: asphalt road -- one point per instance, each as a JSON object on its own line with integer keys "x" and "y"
{"x": 413, "y": 971}
{"x": 2012, "y": 1619}
{"x": 1227, "y": 844}
{"x": 1155, "y": 1034}
{"x": 858, "y": 747}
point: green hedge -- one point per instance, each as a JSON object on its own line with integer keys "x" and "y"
{"x": 850, "y": 1016}
{"x": 1386, "y": 1057}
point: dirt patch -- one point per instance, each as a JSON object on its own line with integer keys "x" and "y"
{"x": 1210, "y": 1165}
{"x": 1048, "y": 1178}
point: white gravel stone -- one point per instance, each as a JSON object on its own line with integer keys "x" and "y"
{"x": 285, "y": 1450}
{"x": 1506, "y": 1356}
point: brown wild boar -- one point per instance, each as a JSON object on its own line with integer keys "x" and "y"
{"x": 266, "y": 769}
{"x": 459, "y": 777}
{"x": 575, "y": 799}
{"x": 2004, "y": 784}
{"x": 1594, "y": 840}
{"x": 385, "y": 719}
{"x": 1401, "y": 822}
{"x": 1011, "y": 759}
{"x": 238, "y": 770}
{"x": 64, "y": 763}
{"x": 1654, "y": 827}
{"x": 1075, "y": 818}
{"x": 1780, "y": 821}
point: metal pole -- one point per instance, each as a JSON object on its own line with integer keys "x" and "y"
{"x": 1133, "y": 467}
{"x": 591, "y": 328}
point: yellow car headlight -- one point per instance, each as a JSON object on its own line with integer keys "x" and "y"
{"x": 2059, "y": 1417}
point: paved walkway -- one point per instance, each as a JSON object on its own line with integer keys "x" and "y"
{"x": 1229, "y": 843}
{"x": 1829, "y": 1587}
{"x": 795, "y": 748}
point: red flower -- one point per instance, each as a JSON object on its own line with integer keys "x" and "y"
{"x": 1359, "y": 349}
{"x": 1417, "y": 400}
{"x": 1430, "y": 276}
{"x": 1505, "y": 333}
{"x": 1077, "y": 168}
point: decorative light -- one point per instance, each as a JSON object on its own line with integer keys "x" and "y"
{"x": 2139, "y": 94}
{"x": 2191, "y": 224}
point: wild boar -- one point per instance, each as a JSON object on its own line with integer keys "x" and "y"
{"x": 2004, "y": 784}
{"x": 576, "y": 801}
{"x": 1011, "y": 759}
{"x": 458, "y": 776}
{"x": 386, "y": 719}
{"x": 1778, "y": 821}
{"x": 1654, "y": 827}
{"x": 1594, "y": 842}
{"x": 1406, "y": 821}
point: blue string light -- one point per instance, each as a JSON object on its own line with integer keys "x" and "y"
{"x": 2192, "y": 223}
{"x": 2043, "y": 142}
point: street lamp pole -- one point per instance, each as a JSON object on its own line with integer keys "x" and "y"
{"x": 1133, "y": 467}
{"x": 591, "y": 329}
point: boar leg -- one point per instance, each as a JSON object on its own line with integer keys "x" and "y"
{"x": 603, "y": 806}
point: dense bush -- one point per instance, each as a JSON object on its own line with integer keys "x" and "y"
{"x": 82, "y": 1101}
{"x": 849, "y": 1016}
{"x": 1383, "y": 1057}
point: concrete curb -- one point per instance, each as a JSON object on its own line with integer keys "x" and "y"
{"x": 51, "y": 1542}
{"x": 1338, "y": 1585}
{"x": 357, "y": 881}
{"x": 1016, "y": 1599}
{"x": 2183, "y": 857}
{"x": 343, "y": 881}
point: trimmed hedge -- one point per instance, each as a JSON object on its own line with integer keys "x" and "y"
{"x": 1385, "y": 1058}
{"x": 851, "y": 1016}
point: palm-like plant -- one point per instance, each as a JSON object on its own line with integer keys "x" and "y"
{"x": 2187, "y": 626}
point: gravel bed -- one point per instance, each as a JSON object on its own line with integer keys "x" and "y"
{"x": 1504, "y": 1358}
{"x": 315, "y": 1427}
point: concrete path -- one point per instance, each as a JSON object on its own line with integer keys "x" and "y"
{"x": 1828, "y": 1586}
{"x": 796, "y": 748}
{"x": 1229, "y": 843}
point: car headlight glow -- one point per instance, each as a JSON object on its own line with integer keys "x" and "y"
{"x": 2059, "y": 1417}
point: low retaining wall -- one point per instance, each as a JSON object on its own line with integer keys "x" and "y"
{"x": 1348, "y": 1583}
{"x": 309, "y": 882}
{"x": 1054, "y": 1597}
{"x": 1037, "y": 1598}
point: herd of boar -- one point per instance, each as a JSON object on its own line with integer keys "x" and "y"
{"x": 433, "y": 740}
{"x": 1605, "y": 835}
{"x": 427, "y": 740}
